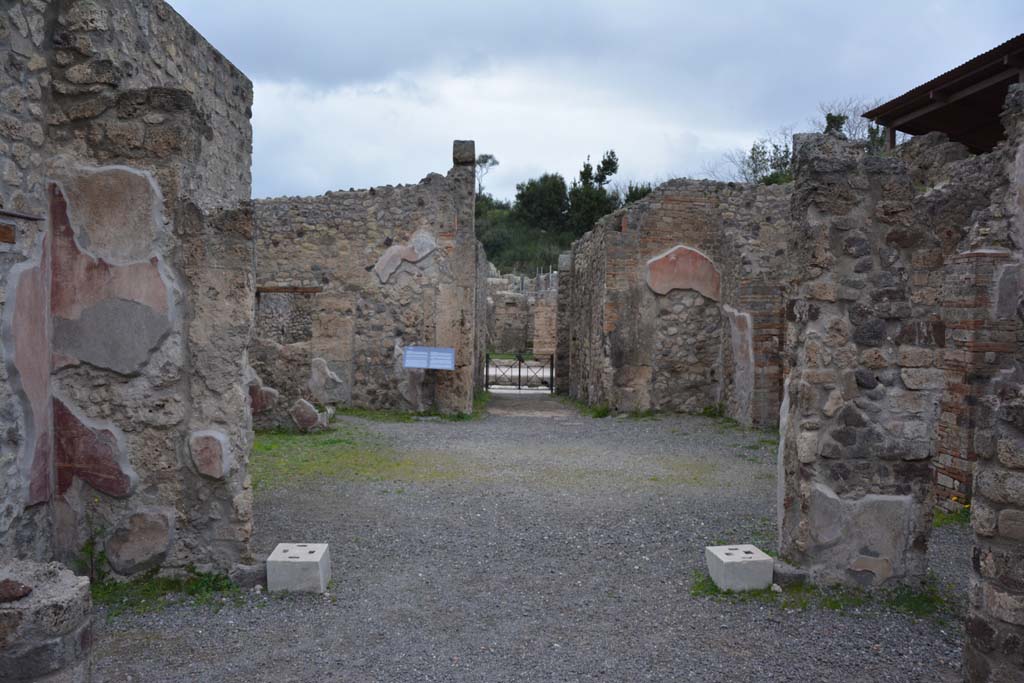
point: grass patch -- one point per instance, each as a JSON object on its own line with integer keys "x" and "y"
{"x": 714, "y": 411}
{"x": 927, "y": 601}
{"x": 344, "y": 452}
{"x": 151, "y": 592}
{"x": 643, "y": 415}
{"x": 596, "y": 411}
{"x": 961, "y": 517}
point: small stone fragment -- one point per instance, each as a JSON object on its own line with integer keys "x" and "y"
{"x": 11, "y": 590}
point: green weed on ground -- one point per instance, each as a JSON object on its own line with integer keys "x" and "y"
{"x": 344, "y": 452}
{"x": 961, "y": 517}
{"x": 929, "y": 601}
{"x": 151, "y": 592}
{"x": 598, "y": 411}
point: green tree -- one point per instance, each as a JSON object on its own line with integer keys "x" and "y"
{"x": 484, "y": 164}
{"x": 589, "y": 198}
{"x": 834, "y": 123}
{"x": 634, "y": 192}
{"x": 543, "y": 203}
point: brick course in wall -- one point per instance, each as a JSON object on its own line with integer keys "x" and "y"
{"x": 731, "y": 232}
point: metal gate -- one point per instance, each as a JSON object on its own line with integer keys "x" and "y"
{"x": 518, "y": 373}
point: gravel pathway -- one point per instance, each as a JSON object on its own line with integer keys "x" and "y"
{"x": 555, "y": 547}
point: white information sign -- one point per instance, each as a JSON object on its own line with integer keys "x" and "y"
{"x": 429, "y": 358}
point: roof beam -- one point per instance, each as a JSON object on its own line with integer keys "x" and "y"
{"x": 1005, "y": 74}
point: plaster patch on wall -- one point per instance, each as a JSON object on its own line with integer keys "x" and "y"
{"x": 117, "y": 210}
{"x": 420, "y": 246}
{"x": 26, "y": 335}
{"x": 114, "y": 334}
{"x": 741, "y": 337}
{"x": 684, "y": 268}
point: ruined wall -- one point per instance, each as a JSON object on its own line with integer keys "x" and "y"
{"x": 543, "y": 316}
{"x": 509, "y": 322}
{"x": 987, "y": 287}
{"x": 632, "y": 338}
{"x": 352, "y": 278}
{"x": 127, "y": 319}
{"x": 892, "y": 349}
{"x": 521, "y": 313}
{"x": 563, "y": 317}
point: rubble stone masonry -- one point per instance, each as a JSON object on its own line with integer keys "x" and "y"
{"x": 127, "y": 291}
{"x": 637, "y": 341}
{"x": 353, "y": 278}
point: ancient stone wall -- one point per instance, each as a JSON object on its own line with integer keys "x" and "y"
{"x": 353, "y": 278}
{"x": 632, "y": 339}
{"x": 543, "y": 316}
{"x": 894, "y": 340}
{"x": 987, "y": 288}
{"x": 562, "y": 323}
{"x": 127, "y": 308}
{"x": 522, "y": 313}
{"x": 509, "y": 322}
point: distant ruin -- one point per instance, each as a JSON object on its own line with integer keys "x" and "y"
{"x": 871, "y": 310}
{"x": 521, "y": 313}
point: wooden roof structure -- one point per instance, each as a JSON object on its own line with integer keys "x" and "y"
{"x": 964, "y": 103}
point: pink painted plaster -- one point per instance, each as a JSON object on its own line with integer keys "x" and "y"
{"x": 684, "y": 268}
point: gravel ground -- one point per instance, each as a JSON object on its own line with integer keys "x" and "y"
{"x": 563, "y": 549}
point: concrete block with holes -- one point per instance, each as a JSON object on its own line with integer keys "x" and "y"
{"x": 299, "y": 567}
{"x": 739, "y": 567}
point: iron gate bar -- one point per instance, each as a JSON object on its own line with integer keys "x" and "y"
{"x": 537, "y": 373}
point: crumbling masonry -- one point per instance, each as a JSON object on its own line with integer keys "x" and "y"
{"x": 875, "y": 305}
{"x": 521, "y": 313}
{"x": 347, "y": 281}
{"x": 872, "y": 310}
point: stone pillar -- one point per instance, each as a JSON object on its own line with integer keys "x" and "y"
{"x": 456, "y": 304}
{"x": 993, "y": 278}
{"x": 563, "y": 322}
{"x": 857, "y": 417}
{"x": 45, "y": 624}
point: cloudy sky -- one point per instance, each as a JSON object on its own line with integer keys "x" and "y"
{"x": 355, "y": 94}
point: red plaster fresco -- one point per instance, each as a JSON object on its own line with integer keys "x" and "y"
{"x": 40, "y": 488}
{"x": 684, "y": 268}
{"x": 87, "y": 453}
{"x": 31, "y": 341}
{"x": 81, "y": 281}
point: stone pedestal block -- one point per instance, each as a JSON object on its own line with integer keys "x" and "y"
{"x": 45, "y": 635}
{"x": 299, "y": 567}
{"x": 739, "y": 567}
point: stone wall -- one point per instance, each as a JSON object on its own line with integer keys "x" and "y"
{"x": 562, "y": 326}
{"x": 521, "y": 313}
{"x": 127, "y": 306}
{"x": 988, "y": 285}
{"x": 901, "y": 333}
{"x": 353, "y": 278}
{"x": 637, "y": 342}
